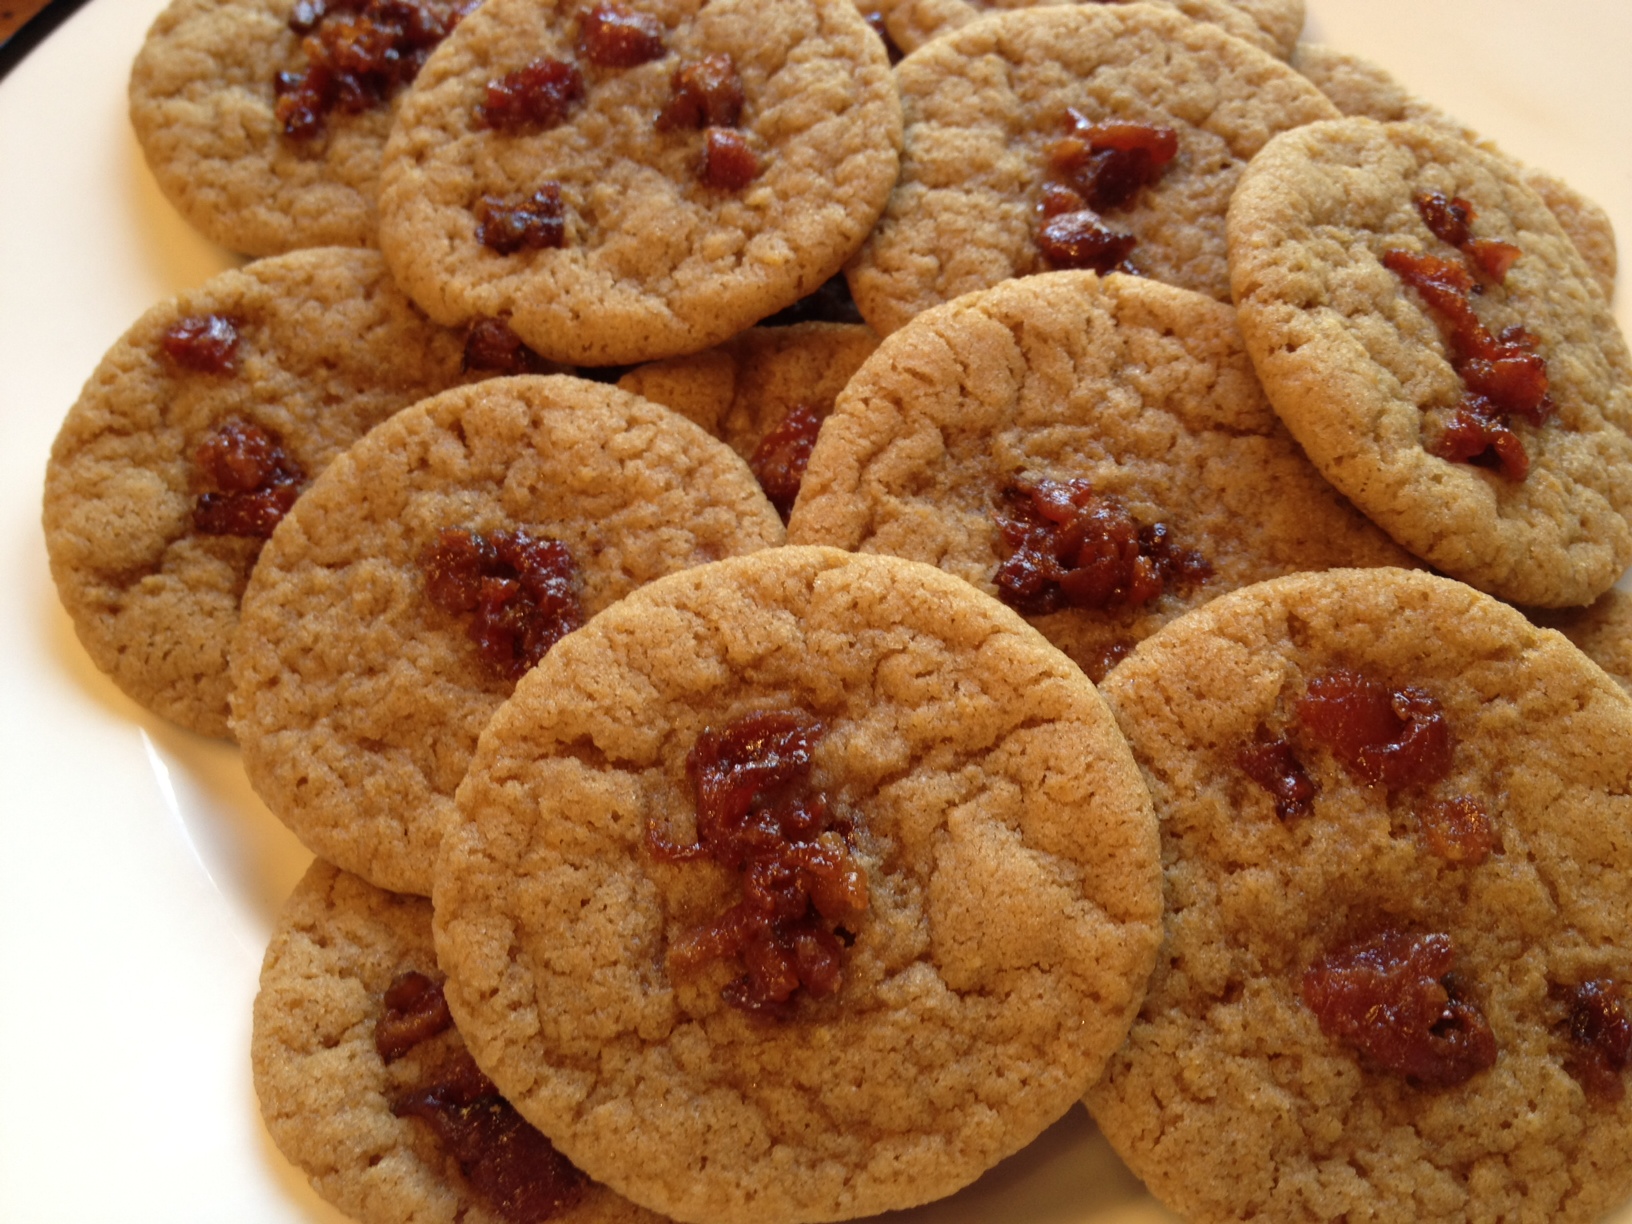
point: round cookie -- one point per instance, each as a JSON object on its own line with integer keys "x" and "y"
{"x": 327, "y": 1093}
{"x": 357, "y": 701}
{"x": 743, "y": 390}
{"x": 1142, "y": 389}
{"x": 327, "y": 348}
{"x": 1230, "y": 1099}
{"x": 1359, "y": 87}
{"x": 1010, "y": 884}
{"x": 653, "y": 262}
{"x": 1602, "y": 631}
{"x": 1270, "y": 25}
{"x": 203, "y": 101}
{"x": 1356, "y": 365}
{"x": 984, "y": 104}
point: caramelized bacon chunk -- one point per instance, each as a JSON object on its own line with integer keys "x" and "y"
{"x": 205, "y": 344}
{"x": 612, "y": 36}
{"x": 1458, "y": 830}
{"x": 1073, "y": 547}
{"x": 415, "y": 1011}
{"x": 1098, "y": 168}
{"x": 758, "y": 815}
{"x": 520, "y": 592}
{"x": 1081, "y": 240}
{"x": 249, "y": 480}
{"x": 1394, "y": 999}
{"x": 729, "y": 163}
{"x": 491, "y": 346}
{"x": 1271, "y": 763}
{"x": 1600, "y": 1035}
{"x": 358, "y": 53}
{"x": 779, "y": 461}
{"x": 537, "y": 96}
{"x": 1393, "y": 737}
{"x": 703, "y": 93}
{"x": 533, "y": 224}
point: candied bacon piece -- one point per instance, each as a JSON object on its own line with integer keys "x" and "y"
{"x": 490, "y": 345}
{"x": 207, "y": 344}
{"x": 1272, "y": 764}
{"x": 758, "y": 815}
{"x": 1476, "y": 433}
{"x": 1458, "y": 830}
{"x": 537, "y": 96}
{"x": 1392, "y": 737}
{"x": 729, "y": 163}
{"x": 513, "y": 1169}
{"x": 519, "y": 591}
{"x": 1073, "y": 547}
{"x": 1081, "y": 240}
{"x": 612, "y": 36}
{"x": 1109, "y": 163}
{"x": 536, "y": 223}
{"x": 415, "y": 1011}
{"x": 1492, "y": 257}
{"x": 1600, "y": 1034}
{"x": 250, "y": 480}
{"x": 1058, "y": 199}
{"x": 779, "y": 461}
{"x": 703, "y": 93}
{"x": 1450, "y": 219}
{"x": 1393, "y": 998}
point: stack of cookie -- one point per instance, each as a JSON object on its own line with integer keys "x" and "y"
{"x": 716, "y": 812}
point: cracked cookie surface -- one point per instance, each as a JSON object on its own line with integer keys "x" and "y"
{"x": 1228, "y": 1099}
{"x": 1011, "y": 875}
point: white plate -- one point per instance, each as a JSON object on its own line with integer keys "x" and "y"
{"x": 139, "y": 877}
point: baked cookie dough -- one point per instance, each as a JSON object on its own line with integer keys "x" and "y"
{"x": 1602, "y": 631}
{"x": 356, "y": 700}
{"x": 1355, "y": 363}
{"x": 984, "y": 104}
{"x": 203, "y": 101}
{"x": 1359, "y": 87}
{"x": 327, "y": 347}
{"x": 1270, "y": 25}
{"x": 1230, "y": 1099}
{"x": 1139, "y": 388}
{"x": 1010, "y": 875}
{"x": 653, "y": 262}
{"x": 327, "y": 1093}
{"x": 743, "y": 391}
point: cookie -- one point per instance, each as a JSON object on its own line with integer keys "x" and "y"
{"x": 359, "y": 689}
{"x": 1602, "y": 631}
{"x": 985, "y": 852}
{"x": 1374, "y": 383}
{"x": 1270, "y": 25}
{"x": 344, "y": 1112}
{"x": 1359, "y": 87}
{"x": 1142, "y": 390}
{"x": 636, "y": 256}
{"x": 205, "y": 101}
{"x": 765, "y": 392}
{"x": 321, "y": 347}
{"x": 987, "y": 108}
{"x": 1364, "y": 1003}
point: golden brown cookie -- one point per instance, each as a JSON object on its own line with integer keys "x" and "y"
{"x": 357, "y": 696}
{"x": 1270, "y": 25}
{"x": 349, "y": 1114}
{"x": 1142, "y": 391}
{"x": 764, "y": 392}
{"x": 985, "y": 106}
{"x": 650, "y": 259}
{"x": 1375, "y": 386}
{"x": 321, "y": 347}
{"x": 1359, "y": 87}
{"x": 984, "y": 833}
{"x": 1602, "y": 630}
{"x": 205, "y": 103}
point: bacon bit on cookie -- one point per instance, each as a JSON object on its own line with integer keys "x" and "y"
{"x": 757, "y": 814}
{"x": 612, "y": 36}
{"x": 1393, "y": 737}
{"x": 779, "y": 461}
{"x": 415, "y": 1011}
{"x": 491, "y": 347}
{"x": 1098, "y": 168}
{"x": 537, "y": 96}
{"x": 207, "y": 344}
{"x": 1458, "y": 830}
{"x": 250, "y": 481}
{"x": 520, "y": 592}
{"x": 1600, "y": 1034}
{"x": 703, "y": 93}
{"x": 536, "y": 223}
{"x": 729, "y": 164}
{"x": 1394, "y": 999}
{"x": 1271, "y": 763}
